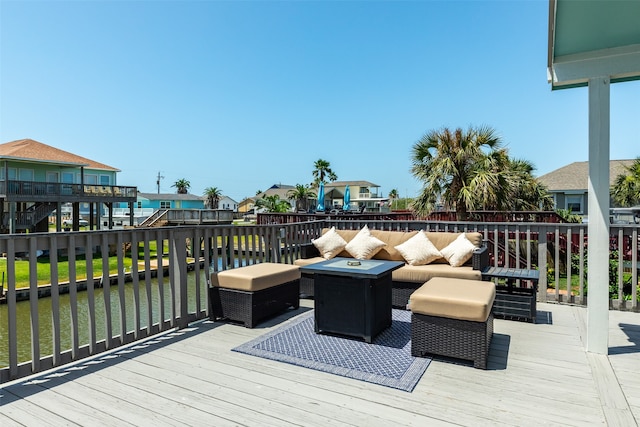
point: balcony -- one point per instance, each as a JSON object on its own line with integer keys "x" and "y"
{"x": 34, "y": 191}
{"x": 180, "y": 368}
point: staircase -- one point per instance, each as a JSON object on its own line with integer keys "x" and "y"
{"x": 158, "y": 219}
{"x": 27, "y": 219}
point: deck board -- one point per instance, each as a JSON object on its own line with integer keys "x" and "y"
{"x": 538, "y": 374}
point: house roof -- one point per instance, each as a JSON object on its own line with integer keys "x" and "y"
{"x": 170, "y": 196}
{"x": 575, "y": 176}
{"x": 28, "y": 150}
{"x": 350, "y": 183}
{"x": 278, "y": 189}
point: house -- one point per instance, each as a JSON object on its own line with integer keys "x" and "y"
{"x": 227, "y": 203}
{"x": 569, "y": 184}
{"x": 37, "y": 180}
{"x": 169, "y": 201}
{"x": 246, "y": 205}
{"x": 362, "y": 194}
{"x": 280, "y": 190}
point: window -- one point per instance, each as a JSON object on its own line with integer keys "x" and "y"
{"x": 104, "y": 180}
{"x": 138, "y": 205}
{"x": 26, "y": 174}
{"x": 67, "y": 177}
{"x": 91, "y": 179}
{"x": 574, "y": 203}
{"x": 165, "y": 205}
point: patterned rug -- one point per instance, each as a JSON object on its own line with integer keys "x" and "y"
{"x": 387, "y": 361}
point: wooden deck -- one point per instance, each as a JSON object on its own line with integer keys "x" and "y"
{"x": 538, "y": 374}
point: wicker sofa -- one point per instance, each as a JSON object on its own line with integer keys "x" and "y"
{"x": 409, "y": 277}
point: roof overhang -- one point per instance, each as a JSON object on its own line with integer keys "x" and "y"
{"x": 49, "y": 162}
{"x": 589, "y": 39}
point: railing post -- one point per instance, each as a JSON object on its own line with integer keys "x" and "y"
{"x": 542, "y": 263}
{"x": 178, "y": 266}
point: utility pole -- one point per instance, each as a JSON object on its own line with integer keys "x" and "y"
{"x": 158, "y": 181}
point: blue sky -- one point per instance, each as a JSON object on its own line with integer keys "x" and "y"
{"x": 241, "y": 95}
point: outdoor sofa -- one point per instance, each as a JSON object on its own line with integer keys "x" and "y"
{"x": 415, "y": 272}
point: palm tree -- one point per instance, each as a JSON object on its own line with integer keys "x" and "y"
{"x": 273, "y": 204}
{"x": 322, "y": 170}
{"x": 626, "y": 188}
{"x": 470, "y": 170}
{"x": 527, "y": 193}
{"x": 393, "y": 195}
{"x": 182, "y": 186}
{"x": 447, "y": 161}
{"x": 505, "y": 184}
{"x": 212, "y": 197}
{"x": 301, "y": 193}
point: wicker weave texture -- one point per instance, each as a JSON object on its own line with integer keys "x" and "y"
{"x": 401, "y": 292}
{"x": 460, "y": 339}
{"x": 306, "y": 285}
{"x": 515, "y": 305}
{"x": 250, "y": 308}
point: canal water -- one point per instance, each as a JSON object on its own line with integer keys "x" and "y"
{"x": 45, "y": 316}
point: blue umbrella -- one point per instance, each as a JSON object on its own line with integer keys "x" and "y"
{"x": 320, "y": 197}
{"x": 347, "y": 198}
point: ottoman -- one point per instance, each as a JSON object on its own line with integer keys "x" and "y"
{"x": 452, "y": 318}
{"x": 254, "y": 292}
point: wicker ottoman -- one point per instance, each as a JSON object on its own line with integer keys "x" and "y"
{"x": 452, "y": 318}
{"x": 252, "y": 293}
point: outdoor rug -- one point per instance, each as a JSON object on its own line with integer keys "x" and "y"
{"x": 387, "y": 361}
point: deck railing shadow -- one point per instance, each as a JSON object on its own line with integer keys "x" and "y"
{"x": 633, "y": 332}
{"x": 25, "y": 387}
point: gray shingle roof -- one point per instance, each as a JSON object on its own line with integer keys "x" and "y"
{"x": 575, "y": 176}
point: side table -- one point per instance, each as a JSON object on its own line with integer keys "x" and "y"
{"x": 512, "y": 300}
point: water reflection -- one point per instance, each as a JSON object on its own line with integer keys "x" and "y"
{"x": 45, "y": 315}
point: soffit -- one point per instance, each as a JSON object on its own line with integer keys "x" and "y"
{"x": 590, "y": 39}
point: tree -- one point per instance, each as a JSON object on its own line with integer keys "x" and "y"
{"x": 273, "y": 204}
{"x": 625, "y": 190}
{"x": 182, "y": 186}
{"x": 302, "y": 193}
{"x": 393, "y": 195}
{"x": 467, "y": 170}
{"x": 212, "y": 197}
{"x": 322, "y": 170}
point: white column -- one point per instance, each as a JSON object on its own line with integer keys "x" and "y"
{"x": 598, "y": 250}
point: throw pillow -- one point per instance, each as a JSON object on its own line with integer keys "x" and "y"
{"x": 419, "y": 250}
{"x": 459, "y": 251}
{"x": 364, "y": 245}
{"x": 329, "y": 244}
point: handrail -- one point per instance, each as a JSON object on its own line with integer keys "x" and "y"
{"x": 220, "y": 247}
{"x": 25, "y": 189}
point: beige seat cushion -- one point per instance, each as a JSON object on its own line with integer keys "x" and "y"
{"x": 454, "y": 299}
{"x": 422, "y": 273}
{"x": 301, "y": 262}
{"x": 256, "y": 277}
